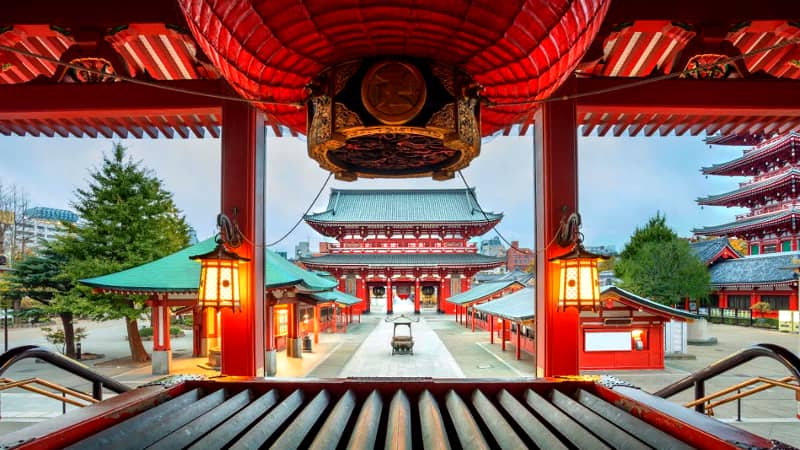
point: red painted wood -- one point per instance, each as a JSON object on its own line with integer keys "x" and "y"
{"x": 243, "y": 177}
{"x": 389, "y": 306}
{"x": 556, "y": 166}
{"x": 417, "y": 295}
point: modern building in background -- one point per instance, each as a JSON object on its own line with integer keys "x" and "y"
{"x": 302, "y": 250}
{"x": 402, "y": 249}
{"x": 519, "y": 258}
{"x": 771, "y": 195}
{"x": 492, "y": 247}
{"x": 32, "y": 227}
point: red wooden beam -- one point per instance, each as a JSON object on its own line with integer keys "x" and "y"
{"x": 692, "y": 11}
{"x": 92, "y": 13}
{"x": 748, "y": 97}
{"x": 74, "y": 100}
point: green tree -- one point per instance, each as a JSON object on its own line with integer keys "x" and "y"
{"x": 657, "y": 264}
{"x": 127, "y": 219}
{"x": 44, "y": 278}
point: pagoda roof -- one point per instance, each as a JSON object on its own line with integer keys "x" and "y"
{"x": 482, "y": 291}
{"x": 387, "y": 206}
{"x": 753, "y": 155}
{"x": 772, "y": 268}
{"x": 645, "y": 303}
{"x": 749, "y": 224}
{"x": 709, "y": 250}
{"x": 403, "y": 259}
{"x": 178, "y": 274}
{"x": 518, "y": 306}
{"x": 792, "y": 174}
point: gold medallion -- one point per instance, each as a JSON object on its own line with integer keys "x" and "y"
{"x": 393, "y": 92}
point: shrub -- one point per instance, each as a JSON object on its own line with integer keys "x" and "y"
{"x": 147, "y": 332}
{"x": 56, "y": 337}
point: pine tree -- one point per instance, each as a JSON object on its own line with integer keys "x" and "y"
{"x": 659, "y": 265}
{"x": 127, "y": 219}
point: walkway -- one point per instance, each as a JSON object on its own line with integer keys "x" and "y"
{"x": 430, "y": 359}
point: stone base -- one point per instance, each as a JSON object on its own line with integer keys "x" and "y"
{"x": 271, "y": 362}
{"x": 161, "y": 362}
{"x": 294, "y": 348}
{"x": 679, "y": 356}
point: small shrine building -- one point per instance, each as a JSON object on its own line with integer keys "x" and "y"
{"x": 403, "y": 250}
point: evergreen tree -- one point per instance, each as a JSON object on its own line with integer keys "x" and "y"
{"x": 657, "y": 264}
{"x": 127, "y": 219}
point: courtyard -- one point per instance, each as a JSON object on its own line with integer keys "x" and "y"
{"x": 443, "y": 349}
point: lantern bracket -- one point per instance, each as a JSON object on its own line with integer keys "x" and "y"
{"x": 229, "y": 233}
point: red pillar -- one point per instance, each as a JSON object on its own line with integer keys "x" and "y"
{"x": 503, "y": 334}
{"x": 473, "y": 318}
{"x": 491, "y": 329}
{"x": 161, "y": 324}
{"x": 361, "y": 292}
{"x": 519, "y": 340}
{"x": 793, "y": 301}
{"x": 417, "y": 294}
{"x": 243, "y": 175}
{"x": 316, "y": 324}
{"x": 440, "y": 296}
{"x": 556, "y": 175}
{"x": 723, "y": 300}
{"x": 389, "y": 308}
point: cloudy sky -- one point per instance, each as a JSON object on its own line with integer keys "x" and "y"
{"x": 623, "y": 181}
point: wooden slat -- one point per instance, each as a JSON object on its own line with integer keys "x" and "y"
{"x": 398, "y": 427}
{"x": 503, "y": 434}
{"x": 365, "y": 431}
{"x": 266, "y": 427}
{"x": 469, "y": 434}
{"x": 434, "y": 434}
{"x": 533, "y": 427}
{"x": 234, "y": 426}
{"x": 576, "y": 434}
{"x": 303, "y": 424}
{"x": 330, "y": 433}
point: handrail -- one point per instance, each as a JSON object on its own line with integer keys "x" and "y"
{"x": 98, "y": 381}
{"x": 697, "y": 379}
{"x": 8, "y": 383}
{"x": 769, "y": 383}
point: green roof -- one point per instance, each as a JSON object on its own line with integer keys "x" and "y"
{"x": 176, "y": 273}
{"x": 647, "y": 302}
{"x": 741, "y": 225}
{"x": 336, "y": 296}
{"x": 402, "y": 259}
{"x": 516, "y": 307}
{"x": 402, "y": 206}
{"x": 790, "y": 175}
{"x": 481, "y": 291}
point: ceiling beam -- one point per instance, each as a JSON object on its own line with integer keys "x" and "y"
{"x": 92, "y": 13}
{"x": 705, "y": 11}
{"x": 77, "y": 100}
{"x": 748, "y": 97}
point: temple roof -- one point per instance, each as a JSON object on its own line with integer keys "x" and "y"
{"x": 776, "y": 181}
{"x": 518, "y": 306}
{"x": 402, "y": 206}
{"x": 643, "y": 302}
{"x": 757, "y": 269}
{"x": 708, "y": 250}
{"x": 402, "y": 259}
{"x": 176, "y": 273}
{"x": 752, "y": 223}
{"x": 337, "y": 296}
{"x": 753, "y": 155}
{"x": 482, "y": 291}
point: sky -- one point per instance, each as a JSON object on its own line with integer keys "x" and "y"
{"x": 623, "y": 181}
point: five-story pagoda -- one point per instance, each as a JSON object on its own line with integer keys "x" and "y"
{"x": 771, "y": 194}
{"x": 403, "y": 249}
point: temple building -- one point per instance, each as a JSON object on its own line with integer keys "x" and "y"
{"x": 771, "y": 195}
{"x": 403, "y": 250}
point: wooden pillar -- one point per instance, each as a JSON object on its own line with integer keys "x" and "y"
{"x": 440, "y": 298}
{"x": 161, "y": 359}
{"x": 389, "y": 308}
{"x": 417, "y": 294}
{"x": 556, "y": 175}
{"x": 294, "y": 348}
{"x": 519, "y": 340}
{"x": 345, "y": 314}
{"x": 793, "y": 300}
{"x": 361, "y": 292}
{"x": 473, "y": 318}
{"x": 243, "y": 164}
{"x": 503, "y": 334}
{"x": 723, "y": 300}
{"x": 491, "y": 329}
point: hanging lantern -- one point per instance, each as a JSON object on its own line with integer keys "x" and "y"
{"x": 219, "y": 269}
{"x": 579, "y": 283}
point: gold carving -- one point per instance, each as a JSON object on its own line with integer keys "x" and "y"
{"x": 444, "y": 118}
{"x": 467, "y": 125}
{"x": 393, "y": 92}
{"x": 344, "y": 118}
{"x": 321, "y": 123}
{"x": 446, "y": 76}
{"x": 343, "y": 73}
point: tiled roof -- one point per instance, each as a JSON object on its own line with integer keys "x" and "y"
{"x": 791, "y": 174}
{"x": 754, "y": 154}
{"x": 337, "y": 296}
{"x": 514, "y": 275}
{"x": 402, "y": 259}
{"x": 402, "y": 206}
{"x": 757, "y": 269}
{"x": 707, "y": 250}
{"x": 40, "y": 212}
{"x": 741, "y": 225}
{"x": 517, "y": 306}
{"x": 176, "y": 273}
{"x": 480, "y": 291}
{"x": 645, "y": 302}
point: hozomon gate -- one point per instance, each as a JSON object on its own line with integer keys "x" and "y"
{"x": 509, "y": 74}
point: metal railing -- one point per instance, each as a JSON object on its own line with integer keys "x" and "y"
{"x": 768, "y": 383}
{"x": 98, "y": 381}
{"x": 698, "y": 379}
{"x": 45, "y": 388}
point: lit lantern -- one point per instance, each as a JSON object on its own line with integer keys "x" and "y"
{"x": 219, "y": 278}
{"x": 579, "y": 283}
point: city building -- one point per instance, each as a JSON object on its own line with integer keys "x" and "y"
{"x": 302, "y": 250}
{"x": 33, "y": 226}
{"x": 403, "y": 249}
{"x": 771, "y": 195}
{"x": 492, "y": 247}
{"x": 518, "y": 257}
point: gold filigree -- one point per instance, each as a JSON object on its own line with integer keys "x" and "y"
{"x": 446, "y": 76}
{"x": 101, "y": 71}
{"x": 344, "y": 118}
{"x": 467, "y": 125}
{"x": 343, "y": 73}
{"x": 444, "y": 118}
{"x": 321, "y": 122}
